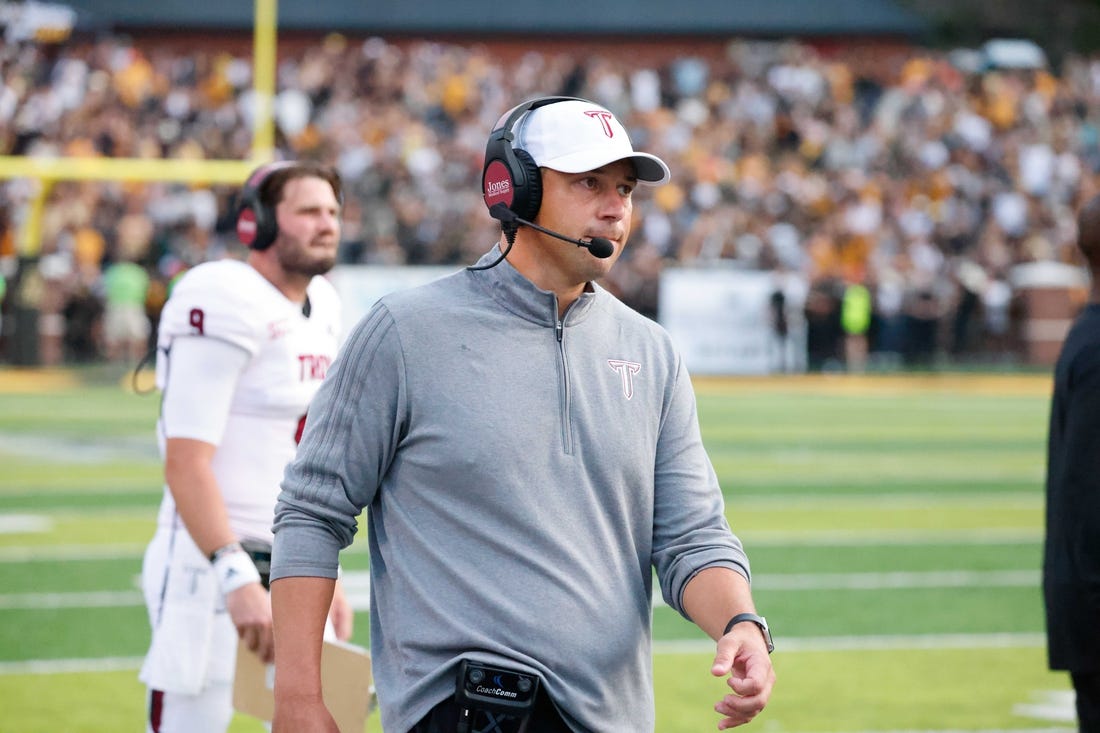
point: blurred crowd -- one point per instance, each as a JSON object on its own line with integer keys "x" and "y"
{"x": 907, "y": 181}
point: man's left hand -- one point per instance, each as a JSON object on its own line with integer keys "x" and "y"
{"x": 743, "y": 656}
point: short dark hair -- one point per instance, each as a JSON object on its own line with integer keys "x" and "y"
{"x": 271, "y": 189}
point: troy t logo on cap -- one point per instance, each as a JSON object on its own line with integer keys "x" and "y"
{"x": 605, "y": 118}
{"x": 576, "y": 136}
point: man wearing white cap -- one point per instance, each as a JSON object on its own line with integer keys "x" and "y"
{"x": 529, "y": 453}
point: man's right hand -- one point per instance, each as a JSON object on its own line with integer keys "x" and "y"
{"x": 250, "y": 609}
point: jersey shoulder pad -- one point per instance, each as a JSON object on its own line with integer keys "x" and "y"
{"x": 227, "y": 300}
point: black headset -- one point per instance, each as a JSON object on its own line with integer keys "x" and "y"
{"x": 510, "y": 175}
{"x": 256, "y": 223}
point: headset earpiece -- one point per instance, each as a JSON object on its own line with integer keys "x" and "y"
{"x": 527, "y": 183}
{"x": 256, "y": 223}
{"x": 510, "y": 175}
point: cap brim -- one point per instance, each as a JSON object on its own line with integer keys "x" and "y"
{"x": 649, "y": 168}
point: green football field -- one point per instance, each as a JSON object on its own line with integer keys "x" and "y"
{"x": 894, "y": 524}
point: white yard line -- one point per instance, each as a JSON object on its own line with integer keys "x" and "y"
{"x": 24, "y": 523}
{"x": 870, "y": 643}
{"x": 686, "y": 646}
{"x": 761, "y": 538}
{"x": 914, "y": 500}
{"x": 357, "y": 586}
{"x": 66, "y": 666}
{"x": 893, "y": 580}
{"x": 70, "y": 553}
{"x": 1057, "y": 706}
{"x": 997, "y": 730}
{"x": 74, "y": 553}
{"x": 865, "y": 537}
{"x": 92, "y": 599}
{"x": 82, "y": 450}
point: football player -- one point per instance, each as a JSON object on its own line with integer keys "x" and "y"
{"x": 242, "y": 347}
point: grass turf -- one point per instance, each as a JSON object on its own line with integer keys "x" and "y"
{"x": 824, "y": 478}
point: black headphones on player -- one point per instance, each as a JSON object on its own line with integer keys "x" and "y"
{"x": 510, "y": 175}
{"x": 256, "y": 224}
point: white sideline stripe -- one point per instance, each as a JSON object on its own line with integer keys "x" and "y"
{"x": 686, "y": 646}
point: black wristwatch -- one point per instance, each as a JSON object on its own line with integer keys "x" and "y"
{"x": 759, "y": 621}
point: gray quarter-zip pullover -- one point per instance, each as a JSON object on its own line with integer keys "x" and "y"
{"x": 522, "y": 476}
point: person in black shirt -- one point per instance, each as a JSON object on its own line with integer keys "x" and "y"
{"x": 1071, "y": 562}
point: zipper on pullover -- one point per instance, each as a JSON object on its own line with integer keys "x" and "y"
{"x": 563, "y": 385}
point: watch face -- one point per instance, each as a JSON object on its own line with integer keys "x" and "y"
{"x": 768, "y": 639}
{"x": 760, "y": 622}
{"x": 763, "y": 624}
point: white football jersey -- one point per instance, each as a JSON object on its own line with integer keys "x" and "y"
{"x": 288, "y": 355}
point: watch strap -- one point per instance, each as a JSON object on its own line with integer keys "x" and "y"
{"x": 756, "y": 619}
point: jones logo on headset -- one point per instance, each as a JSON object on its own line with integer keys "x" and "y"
{"x": 246, "y": 226}
{"x": 498, "y": 184}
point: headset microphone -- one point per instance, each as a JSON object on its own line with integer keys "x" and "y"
{"x": 598, "y": 246}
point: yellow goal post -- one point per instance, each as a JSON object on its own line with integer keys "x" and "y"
{"x": 48, "y": 170}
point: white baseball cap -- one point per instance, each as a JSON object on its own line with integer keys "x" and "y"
{"x": 579, "y": 136}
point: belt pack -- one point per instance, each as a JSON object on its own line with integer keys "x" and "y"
{"x": 260, "y": 552}
{"x": 499, "y": 693}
